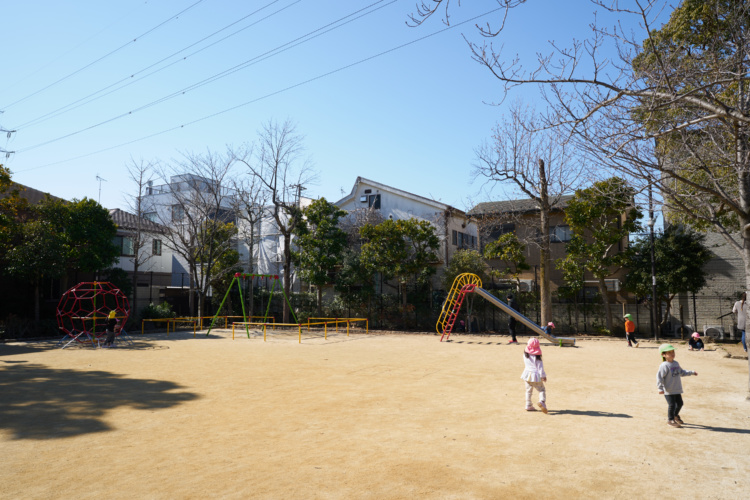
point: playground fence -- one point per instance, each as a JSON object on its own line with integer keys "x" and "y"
{"x": 311, "y": 322}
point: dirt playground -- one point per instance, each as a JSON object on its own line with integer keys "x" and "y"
{"x": 373, "y": 416}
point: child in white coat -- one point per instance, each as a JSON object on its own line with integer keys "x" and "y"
{"x": 534, "y": 375}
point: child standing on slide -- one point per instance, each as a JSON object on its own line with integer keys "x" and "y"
{"x": 533, "y": 374}
{"x": 669, "y": 383}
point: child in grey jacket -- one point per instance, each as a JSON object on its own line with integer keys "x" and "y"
{"x": 669, "y": 383}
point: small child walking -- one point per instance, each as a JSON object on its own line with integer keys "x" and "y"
{"x": 533, "y": 374}
{"x": 111, "y": 323}
{"x": 630, "y": 331}
{"x": 669, "y": 383}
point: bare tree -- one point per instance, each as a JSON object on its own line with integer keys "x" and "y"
{"x": 277, "y": 162}
{"x": 540, "y": 166}
{"x": 199, "y": 217}
{"x": 141, "y": 173}
{"x": 249, "y": 204}
{"x": 667, "y": 106}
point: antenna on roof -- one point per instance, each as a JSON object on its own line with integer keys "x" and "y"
{"x": 100, "y": 179}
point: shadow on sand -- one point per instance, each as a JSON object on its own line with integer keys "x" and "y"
{"x": 589, "y": 413}
{"x": 37, "y": 402}
{"x": 716, "y": 429}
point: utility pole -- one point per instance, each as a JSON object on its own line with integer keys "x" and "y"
{"x": 100, "y": 187}
{"x": 8, "y": 134}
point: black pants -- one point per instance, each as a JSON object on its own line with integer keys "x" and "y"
{"x": 674, "y": 405}
{"x": 631, "y": 338}
{"x": 512, "y": 329}
{"x": 110, "y": 337}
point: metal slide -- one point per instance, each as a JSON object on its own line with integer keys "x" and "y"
{"x": 561, "y": 341}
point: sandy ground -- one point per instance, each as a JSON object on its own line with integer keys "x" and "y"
{"x": 365, "y": 416}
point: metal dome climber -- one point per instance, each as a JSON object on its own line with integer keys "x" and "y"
{"x": 83, "y": 311}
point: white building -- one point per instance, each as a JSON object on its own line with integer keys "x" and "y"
{"x": 155, "y": 259}
{"x": 167, "y": 203}
{"x": 453, "y": 226}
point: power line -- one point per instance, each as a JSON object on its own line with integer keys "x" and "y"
{"x": 130, "y": 79}
{"x": 119, "y": 19}
{"x": 299, "y": 84}
{"x": 103, "y": 57}
{"x": 273, "y": 52}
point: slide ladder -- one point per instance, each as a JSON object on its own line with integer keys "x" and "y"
{"x": 464, "y": 284}
{"x": 452, "y": 304}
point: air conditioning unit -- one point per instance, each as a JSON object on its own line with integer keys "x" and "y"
{"x": 687, "y": 331}
{"x": 612, "y": 285}
{"x": 527, "y": 285}
{"x": 713, "y": 331}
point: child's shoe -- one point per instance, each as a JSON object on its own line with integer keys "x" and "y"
{"x": 673, "y": 423}
{"x": 530, "y": 408}
{"x": 678, "y": 420}
{"x": 543, "y": 406}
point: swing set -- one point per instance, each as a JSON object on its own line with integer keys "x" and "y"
{"x": 237, "y": 279}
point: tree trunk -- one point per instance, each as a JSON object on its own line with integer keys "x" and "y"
{"x": 191, "y": 294}
{"x": 134, "y": 306}
{"x": 544, "y": 252}
{"x": 287, "y": 276}
{"x": 746, "y": 261}
{"x": 36, "y": 300}
{"x": 605, "y": 299}
{"x": 320, "y": 300}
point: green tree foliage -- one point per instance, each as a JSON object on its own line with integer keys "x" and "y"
{"x": 41, "y": 253}
{"x": 403, "y": 249}
{"x": 354, "y": 281}
{"x": 12, "y": 209}
{"x": 60, "y": 236}
{"x": 320, "y": 245}
{"x": 509, "y": 250}
{"x": 88, "y": 232}
{"x": 464, "y": 261}
{"x": 699, "y": 55}
{"x": 600, "y": 218}
{"x": 680, "y": 255}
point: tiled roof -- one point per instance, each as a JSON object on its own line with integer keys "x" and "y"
{"x": 126, "y": 220}
{"x": 516, "y": 206}
{"x": 33, "y": 196}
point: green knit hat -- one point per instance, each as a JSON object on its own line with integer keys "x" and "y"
{"x": 628, "y": 316}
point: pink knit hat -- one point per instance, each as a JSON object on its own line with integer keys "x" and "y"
{"x": 551, "y": 324}
{"x": 696, "y": 335}
{"x": 532, "y": 347}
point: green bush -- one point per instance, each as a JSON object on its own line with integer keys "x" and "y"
{"x": 163, "y": 310}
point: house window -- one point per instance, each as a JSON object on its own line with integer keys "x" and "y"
{"x": 125, "y": 245}
{"x": 559, "y": 234}
{"x": 150, "y": 216}
{"x": 156, "y": 247}
{"x": 463, "y": 240}
{"x": 501, "y": 230}
{"x": 178, "y": 213}
{"x": 373, "y": 201}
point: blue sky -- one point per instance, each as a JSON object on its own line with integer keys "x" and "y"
{"x": 410, "y": 118}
